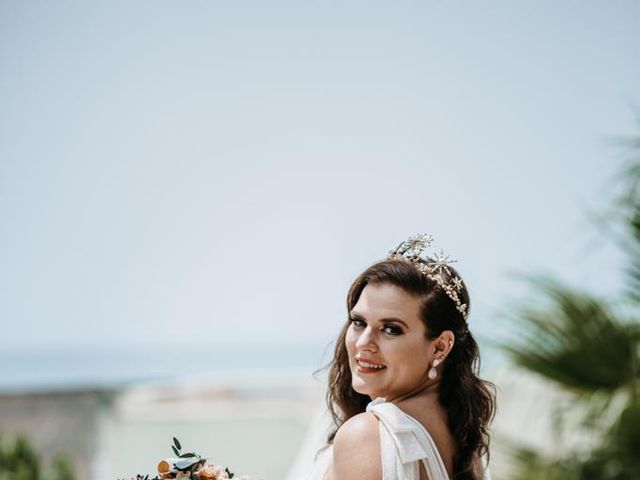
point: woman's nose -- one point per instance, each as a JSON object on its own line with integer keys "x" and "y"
{"x": 366, "y": 340}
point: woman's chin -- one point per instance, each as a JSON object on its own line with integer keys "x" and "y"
{"x": 360, "y": 387}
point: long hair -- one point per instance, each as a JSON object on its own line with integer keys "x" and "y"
{"x": 468, "y": 400}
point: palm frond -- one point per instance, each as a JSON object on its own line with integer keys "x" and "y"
{"x": 623, "y": 440}
{"x": 531, "y": 465}
{"x": 574, "y": 341}
{"x": 627, "y": 205}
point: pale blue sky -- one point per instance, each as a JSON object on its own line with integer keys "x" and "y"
{"x": 221, "y": 171}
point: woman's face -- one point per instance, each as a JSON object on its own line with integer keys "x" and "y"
{"x": 389, "y": 354}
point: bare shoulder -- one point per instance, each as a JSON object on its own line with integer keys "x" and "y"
{"x": 356, "y": 449}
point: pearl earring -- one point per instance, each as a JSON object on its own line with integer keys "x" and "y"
{"x": 433, "y": 373}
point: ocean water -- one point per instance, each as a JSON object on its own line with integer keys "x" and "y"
{"x": 116, "y": 367}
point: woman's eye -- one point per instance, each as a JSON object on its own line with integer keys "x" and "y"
{"x": 391, "y": 330}
{"x": 357, "y": 323}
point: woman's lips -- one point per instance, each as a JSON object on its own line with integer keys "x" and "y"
{"x": 364, "y": 366}
{"x": 360, "y": 369}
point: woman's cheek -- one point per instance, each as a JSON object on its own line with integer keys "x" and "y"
{"x": 350, "y": 342}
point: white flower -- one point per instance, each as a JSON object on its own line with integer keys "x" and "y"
{"x": 221, "y": 474}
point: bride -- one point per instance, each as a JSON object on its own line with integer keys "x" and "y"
{"x": 403, "y": 391}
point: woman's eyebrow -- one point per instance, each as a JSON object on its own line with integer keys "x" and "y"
{"x": 359, "y": 316}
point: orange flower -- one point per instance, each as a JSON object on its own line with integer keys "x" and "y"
{"x": 164, "y": 467}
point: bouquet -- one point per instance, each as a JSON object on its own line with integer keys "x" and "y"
{"x": 190, "y": 466}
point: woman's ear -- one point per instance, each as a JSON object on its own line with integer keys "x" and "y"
{"x": 444, "y": 343}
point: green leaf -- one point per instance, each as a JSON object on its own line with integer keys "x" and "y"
{"x": 570, "y": 341}
{"x": 175, "y": 450}
{"x": 177, "y": 443}
{"x": 188, "y": 455}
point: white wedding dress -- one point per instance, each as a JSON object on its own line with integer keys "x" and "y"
{"x": 404, "y": 443}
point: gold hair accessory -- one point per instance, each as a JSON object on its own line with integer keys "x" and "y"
{"x": 433, "y": 268}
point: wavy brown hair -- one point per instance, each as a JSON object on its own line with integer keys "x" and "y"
{"x": 468, "y": 400}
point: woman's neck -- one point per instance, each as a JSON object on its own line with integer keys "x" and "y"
{"x": 428, "y": 390}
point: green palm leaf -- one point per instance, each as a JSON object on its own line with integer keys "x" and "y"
{"x": 575, "y": 341}
{"x": 627, "y": 205}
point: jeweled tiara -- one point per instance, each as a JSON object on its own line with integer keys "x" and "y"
{"x": 433, "y": 267}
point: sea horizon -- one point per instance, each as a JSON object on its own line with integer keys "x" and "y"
{"x": 106, "y": 367}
